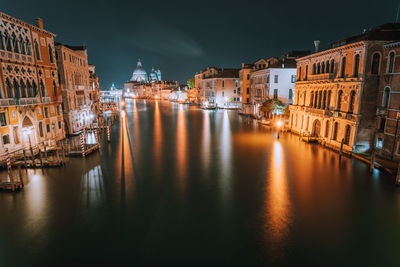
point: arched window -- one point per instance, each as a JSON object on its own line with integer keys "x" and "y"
{"x": 356, "y": 65}
{"x": 23, "y": 89}
{"x": 9, "y": 89}
{"x": 311, "y": 99}
{"x": 343, "y": 72}
{"x": 29, "y": 89}
{"x": 55, "y": 88}
{"x": 51, "y": 54}
{"x": 327, "y": 129}
{"x": 391, "y": 62}
{"x": 352, "y": 100}
{"x": 335, "y": 131}
{"x": 339, "y": 100}
{"x": 323, "y": 67}
{"x": 299, "y": 74}
{"x": 328, "y": 101}
{"x": 316, "y": 99}
{"x": 376, "y": 58}
{"x": 34, "y": 89}
{"x": 318, "y": 68}
{"x": 332, "y": 66}
{"x": 305, "y": 78}
{"x": 37, "y": 50}
{"x": 1, "y": 41}
{"x": 327, "y": 69}
{"x": 28, "y": 47}
{"x": 23, "y": 50}
{"x": 8, "y": 42}
{"x": 347, "y": 135}
{"x": 305, "y": 97}
{"x": 42, "y": 88}
{"x": 324, "y": 101}
{"x": 313, "y": 69}
{"x": 15, "y": 43}
{"x": 386, "y": 97}
{"x": 319, "y": 99}
{"x": 16, "y": 89}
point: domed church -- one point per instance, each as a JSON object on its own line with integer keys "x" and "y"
{"x": 140, "y": 74}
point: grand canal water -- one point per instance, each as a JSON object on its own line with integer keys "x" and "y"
{"x": 179, "y": 185}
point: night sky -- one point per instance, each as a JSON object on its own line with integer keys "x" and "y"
{"x": 183, "y": 37}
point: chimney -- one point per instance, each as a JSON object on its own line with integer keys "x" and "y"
{"x": 39, "y": 22}
{"x": 316, "y": 44}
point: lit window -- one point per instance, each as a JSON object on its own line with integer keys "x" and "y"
{"x": 379, "y": 142}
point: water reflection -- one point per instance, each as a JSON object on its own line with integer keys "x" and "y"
{"x": 277, "y": 203}
{"x": 157, "y": 138}
{"x": 92, "y": 188}
{"x": 206, "y": 138}
{"x": 36, "y": 203}
{"x": 181, "y": 147}
{"x": 225, "y": 142}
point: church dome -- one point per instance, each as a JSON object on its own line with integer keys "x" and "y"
{"x": 139, "y": 74}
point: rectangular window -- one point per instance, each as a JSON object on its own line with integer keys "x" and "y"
{"x": 41, "y": 129}
{"x": 15, "y": 133}
{"x": 46, "y": 112}
{"x": 48, "y": 127}
{"x": 59, "y": 125}
{"x": 275, "y": 93}
{"x": 6, "y": 139}
{"x": 379, "y": 142}
{"x": 248, "y": 90}
{"x": 65, "y": 57}
{"x": 248, "y": 76}
{"x": 58, "y": 110}
{"x": 3, "y": 120}
{"x": 247, "y": 100}
{"x": 223, "y": 83}
{"x": 293, "y": 78}
{"x": 276, "y": 79}
{"x": 382, "y": 124}
{"x": 234, "y": 91}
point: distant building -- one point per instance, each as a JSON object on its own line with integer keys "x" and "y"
{"x": 244, "y": 87}
{"x": 30, "y": 104}
{"x": 220, "y": 88}
{"x": 79, "y": 96}
{"x": 337, "y": 89}
{"x": 386, "y": 63}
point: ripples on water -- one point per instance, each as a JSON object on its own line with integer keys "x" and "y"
{"x": 180, "y": 185}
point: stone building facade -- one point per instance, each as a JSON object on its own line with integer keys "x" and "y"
{"x": 244, "y": 87}
{"x": 336, "y": 91}
{"x": 387, "y": 64}
{"x": 30, "y": 104}
{"x": 77, "y": 93}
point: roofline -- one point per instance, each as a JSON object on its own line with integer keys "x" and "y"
{"x": 26, "y": 24}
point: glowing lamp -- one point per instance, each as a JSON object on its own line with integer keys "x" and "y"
{"x": 279, "y": 123}
{"x": 122, "y": 103}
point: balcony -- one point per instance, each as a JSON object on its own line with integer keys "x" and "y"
{"x": 381, "y": 111}
{"x": 323, "y": 76}
{"x": 46, "y": 100}
{"x": 18, "y": 102}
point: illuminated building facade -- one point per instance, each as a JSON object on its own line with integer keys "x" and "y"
{"x": 336, "y": 90}
{"x": 387, "y": 64}
{"x": 30, "y": 104}
{"x": 220, "y": 88}
{"x": 79, "y": 96}
{"x": 244, "y": 87}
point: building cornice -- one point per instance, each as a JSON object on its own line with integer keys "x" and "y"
{"x": 26, "y": 24}
{"x": 332, "y": 50}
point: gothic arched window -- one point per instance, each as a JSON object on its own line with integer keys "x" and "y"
{"x": 28, "y": 47}
{"x": 22, "y": 43}
{"x": 1, "y": 41}
{"x": 29, "y": 89}
{"x": 335, "y": 131}
{"x": 42, "y": 88}
{"x": 34, "y": 89}
{"x": 332, "y": 66}
{"x": 51, "y": 54}
{"x": 327, "y": 129}
{"x": 55, "y": 88}
{"x": 386, "y": 97}
{"x": 352, "y": 100}
{"x": 23, "y": 89}
{"x": 8, "y": 42}
{"x": 15, "y": 43}
{"x": 16, "y": 89}
{"x": 9, "y": 88}
{"x": 339, "y": 100}
{"x": 391, "y": 62}
{"x": 343, "y": 72}
{"x": 376, "y": 58}
{"x": 37, "y": 50}
{"x": 356, "y": 65}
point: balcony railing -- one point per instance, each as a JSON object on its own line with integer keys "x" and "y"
{"x": 19, "y": 102}
{"x": 381, "y": 111}
{"x": 323, "y": 76}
